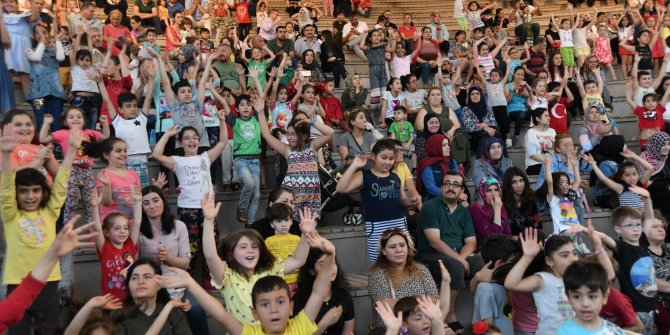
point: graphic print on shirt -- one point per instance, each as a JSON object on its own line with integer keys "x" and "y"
{"x": 385, "y": 192}
{"x": 247, "y": 130}
{"x": 117, "y": 270}
{"x": 32, "y": 232}
{"x": 643, "y": 276}
{"x": 568, "y": 213}
{"x": 564, "y": 307}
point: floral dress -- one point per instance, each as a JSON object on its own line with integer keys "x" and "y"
{"x": 602, "y": 50}
{"x": 302, "y": 178}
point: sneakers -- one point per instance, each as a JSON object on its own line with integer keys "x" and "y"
{"x": 508, "y": 143}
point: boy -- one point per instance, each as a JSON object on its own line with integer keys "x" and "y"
{"x": 591, "y": 93}
{"x": 639, "y": 283}
{"x": 272, "y": 305}
{"x": 331, "y": 104}
{"x": 283, "y": 244}
{"x": 587, "y": 288}
{"x": 206, "y": 46}
{"x": 402, "y": 129}
{"x": 29, "y": 210}
{"x": 151, "y": 41}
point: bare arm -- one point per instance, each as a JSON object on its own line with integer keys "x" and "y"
{"x": 158, "y": 155}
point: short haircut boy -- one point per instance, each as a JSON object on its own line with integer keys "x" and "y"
{"x": 498, "y": 247}
{"x": 126, "y": 97}
{"x": 268, "y": 284}
{"x": 622, "y": 213}
{"x": 279, "y": 212}
{"x": 585, "y": 273}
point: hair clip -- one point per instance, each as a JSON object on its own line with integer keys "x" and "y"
{"x": 480, "y": 328}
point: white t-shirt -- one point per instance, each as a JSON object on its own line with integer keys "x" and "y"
{"x": 194, "y": 179}
{"x": 566, "y": 38}
{"x": 553, "y": 307}
{"x": 81, "y": 82}
{"x": 392, "y": 102}
{"x": 133, "y": 131}
{"x": 563, "y": 213}
{"x": 538, "y": 142}
{"x": 518, "y": 17}
{"x": 416, "y": 99}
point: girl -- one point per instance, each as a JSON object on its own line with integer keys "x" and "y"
{"x": 116, "y": 244}
{"x": 561, "y": 195}
{"x": 302, "y": 176}
{"x": 258, "y": 63}
{"x": 625, "y": 177}
{"x": 602, "y": 50}
{"x": 85, "y": 92}
{"x": 281, "y": 110}
{"x": 243, "y": 258}
{"x": 482, "y": 56}
{"x": 262, "y": 11}
{"x": 657, "y": 52}
{"x": 644, "y": 40}
{"x": 375, "y": 49}
{"x": 649, "y": 115}
{"x": 46, "y": 90}
{"x": 357, "y": 141}
{"x": 383, "y": 210}
{"x": 337, "y": 312}
{"x": 517, "y": 94}
{"x": 392, "y": 98}
{"x": 6, "y": 85}
{"x": 495, "y": 93}
{"x": 116, "y": 182}
{"x": 579, "y": 30}
{"x": 474, "y": 13}
{"x": 539, "y": 140}
{"x": 18, "y": 27}
{"x": 547, "y": 286}
{"x": 489, "y": 217}
{"x": 624, "y": 36}
{"x": 519, "y": 201}
{"x": 310, "y": 105}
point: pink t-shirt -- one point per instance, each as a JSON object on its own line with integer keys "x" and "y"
{"x": 62, "y": 137}
{"x": 524, "y": 313}
{"x": 112, "y": 33}
{"x": 121, "y": 192}
{"x": 114, "y": 264}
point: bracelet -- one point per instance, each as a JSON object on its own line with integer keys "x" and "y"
{"x": 312, "y": 123}
{"x": 599, "y": 251}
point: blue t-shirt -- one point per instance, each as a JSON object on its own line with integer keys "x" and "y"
{"x": 518, "y": 102}
{"x": 570, "y": 327}
{"x": 381, "y": 197}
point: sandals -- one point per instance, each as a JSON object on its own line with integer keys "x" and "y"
{"x": 456, "y": 326}
{"x": 242, "y": 215}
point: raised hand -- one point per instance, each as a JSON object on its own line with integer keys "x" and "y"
{"x": 160, "y": 181}
{"x": 177, "y": 278}
{"x": 136, "y": 193}
{"x": 174, "y": 130}
{"x": 391, "y": 321}
{"x": 596, "y": 240}
{"x": 107, "y": 301}
{"x": 639, "y": 191}
{"x": 95, "y": 198}
{"x": 588, "y": 158}
{"x": 307, "y": 220}
{"x": 429, "y": 308}
{"x": 331, "y": 317}
{"x": 103, "y": 119}
{"x": 529, "y": 242}
{"x": 360, "y": 161}
{"x": 48, "y": 119}
{"x": 104, "y": 178}
{"x": 259, "y": 105}
{"x": 75, "y": 138}
{"x": 210, "y": 209}
{"x": 446, "y": 277}
{"x": 70, "y": 238}
{"x": 628, "y": 153}
{"x": 7, "y": 141}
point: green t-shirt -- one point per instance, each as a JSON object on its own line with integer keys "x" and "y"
{"x": 401, "y": 131}
{"x": 454, "y": 227}
{"x": 145, "y": 9}
{"x": 246, "y": 136}
{"x": 261, "y": 66}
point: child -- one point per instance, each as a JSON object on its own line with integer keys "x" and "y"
{"x": 393, "y": 97}
{"x": 290, "y": 33}
{"x": 85, "y": 92}
{"x": 587, "y": 287}
{"x": 474, "y": 12}
{"x": 649, "y": 114}
{"x": 130, "y": 126}
{"x": 310, "y": 105}
{"x": 630, "y": 250}
{"x": 626, "y": 176}
{"x": 495, "y": 93}
{"x": 64, "y": 65}
{"x": 602, "y": 49}
{"x": 152, "y": 40}
{"x": 402, "y": 129}
{"x": 282, "y": 244}
{"x": 582, "y": 49}
{"x": 547, "y": 287}
{"x": 30, "y": 208}
{"x": 116, "y": 244}
{"x": 375, "y": 49}
{"x": 19, "y": 29}
{"x": 243, "y": 18}
{"x": 482, "y": 56}
{"x": 460, "y": 16}
{"x": 332, "y": 107}
{"x": 515, "y": 60}
{"x": 624, "y": 36}
{"x": 558, "y": 106}
{"x": 117, "y": 81}
{"x": 561, "y": 195}
{"x": 642, "y": 51}
{"x": 642, "y": 81}
{"x": 116, "y": 182}
{"x": 567, "y": 44}
{"x": 539, "y": 140}
{"x": 206, "y": 45}
{"x": 411, "y": 315}
{"x": 281, "y": 110}
{"x": 591, "y": 93}
{"x": 258, "y": 63}
{"x": 243, "y": 258}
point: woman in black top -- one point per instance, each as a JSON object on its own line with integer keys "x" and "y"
{"x": 519, "y": 201}
{"x": 332, "y": 58}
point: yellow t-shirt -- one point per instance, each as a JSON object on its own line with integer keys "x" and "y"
{"x": 29, "y": 234}
{"x": 283, "y": 247}
{"x": 236, "y": 290}
{"x": 402, "y": 170}
{"x": 592, "y": 98}
{"x": 299, "y": 325}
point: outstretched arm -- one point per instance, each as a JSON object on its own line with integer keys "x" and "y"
{"x": 217, "y": 267}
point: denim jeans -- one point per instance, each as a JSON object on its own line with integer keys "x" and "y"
{"x": 647, "y": 319}
{"x": 249, "y": 171}
{"x": 426, "y": 72}
{"x": 49, "y": 105}
{"x": 518, "y": 117}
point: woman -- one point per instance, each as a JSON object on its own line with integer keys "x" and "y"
{"x": 185, "y": 58}
{"x": 449, "y": 125}
{"x": 357, "y": 141}
{"x": 489, "y": 216}
{"x": 308, "y": 63}
{"x": 332, "y": 57}
{"x": 306, "y": 17}
{"x": 516, "y": 93}
{"x": 115, "y": 28}
{"x": 478, "y": 120}
{"x": 408, "y": 32}
{"x": 146, "y": 299}
{"x": 656, "y": 153}
{"x": 355, "y": 96}
{"x": 173, "y": 34}
{"x": 433, "y": 168}
{"x": 276, "y": 196}
{"x": 120, "y": 6}
{"x": 519, "y": 201}
{"x": 431, "y": 127}
{"x": 559, "y": 73}
{"x": 539, "y": 140}
{"x": 493, "y": 163}
{"x": 426, "y": 60}
{"x": 593, "y": 130}
{"x": 659, "y": 250}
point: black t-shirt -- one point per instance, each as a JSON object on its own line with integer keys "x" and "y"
{"x": 292, "y": 10}
{"x": 263, "y": 227}
{"x": 338, "y": 298}
{"x": 524, "y": 217}
{"x": 638, "y": 276}
{"x": 645, "y": 57}
{"x": 554, "y": 35}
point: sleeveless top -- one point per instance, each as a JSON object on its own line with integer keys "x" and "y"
{"x": 381, "y": 197}
{"x": 302, "y": 178}
{"x": 445, "y": 121}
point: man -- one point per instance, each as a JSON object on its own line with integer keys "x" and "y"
{"x": 439, "y": 33}
{"x": 280, "y": 43}
{"x": 268, "y": 27}
{"x": 307, "y": 41}
{"x": 148, "y": 12}
{"x": 537, "y": 60}
{"x": 85, "y": 19}
{"x": 352, "y": 33}
{"x": 387, "y": 15}
{"x": 199, "y": 13}
{"x": 520, "y": 8}
{"x": 230, "y": 73}
{"x": 174, "y": 5}
{"x": 446, "y": 233}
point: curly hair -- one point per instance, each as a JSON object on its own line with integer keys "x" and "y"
{"x": 382, "y": 263}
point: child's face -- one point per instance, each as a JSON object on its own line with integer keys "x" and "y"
{"x": 308, "y": 95}
{"x": 650, "y": 104}
{"x": 643, "y": 38}
{"x": 472, "y": 6}
{"x": 74, "y": 119}
{"x": 384, "y": 160}
{"x": 23, "y": 129}
{"x": 151, "y": 37}
{"x": 84, "y": 62}
{"x": 281, "y": 227}
{"x": 602, "y": 31}
{"x": 28, "y": 198}
{"x": 478, "y": 34}
{"x": 564, "y": 183}
{"x": 129, "y": 109}
{"x": 273, "y": 309}
{"x": 396, "y": 85}
{"x": 119, "y": 231}
{"x": 42, "y": 35}
{"x": 591, "y": 88}
{"x": 282, "y": 95}
{"x": 11, "y": 6}
{"x": 398, "y": 116}
{"x": 330, "y": 88}
{"x": 204, "y": 35}
{"x": 292, "y": 137}
{"x": 245, "y": 109}
{"x": 560, "y": 259}
{"x": 495, "y": 77}
{"x": 417, "y": 323}
{"x": 246, "y": 253}
{"x": 376, "y": 37}
{"x": 587, "y": 303}
{"x": 256, "y": 54}
{"x": 400, "y": 50}
{"x": 630, "y": 230}
{"x": 185, "y": 94}
{"x": 190, "y": 142}
{"x": 289, "y": 28}
{"x": 119, "y": 154}
{"x": 544, "y": 119}
{"x": 645, "y": 80}
{"x": 630, "y": 176}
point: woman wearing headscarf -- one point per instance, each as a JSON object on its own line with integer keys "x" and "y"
{"x": 492, "y": 163}
{"x": 594, "y": 129}
{"x": 478, "y": 120}
{"x": 434, "y": 167}
{"x": 185, "y": 58}
{"x": 431, "y": 126}
{"x": 489, "y": 215}
{"x": 308, "y": 63}
{"x": 656, "y": 154}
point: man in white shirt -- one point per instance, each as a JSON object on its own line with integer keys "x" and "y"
{"x": 199, "y": 13}
{"x": 352, "y": 33}
{"x": 520, "y": 8}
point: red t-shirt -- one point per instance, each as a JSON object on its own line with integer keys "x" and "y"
{"x": 618, "y": 309}
{"x": 114, "y": 89}
{"x": 114, "y": 264}
{"x": 650, "y": 119}
{"x": 558, "y": 117}
{"x": 62, "y": 137}
{"x": 332, "y": 107}
{"x": 112, "y": 33}
{"x": 242, "y": 12}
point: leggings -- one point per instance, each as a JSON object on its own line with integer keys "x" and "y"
{"x": 79, "y": 190}
{"x": 374, "y": 231}
{"x": 502, "y": 119}
{"x": 43, "y": 315}
{"x": 518, "y": 117}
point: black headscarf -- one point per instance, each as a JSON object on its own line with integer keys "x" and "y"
{"x": 611, "y": 148}
{"x": 426, "y": 134}
{"x": 479, "y": 109}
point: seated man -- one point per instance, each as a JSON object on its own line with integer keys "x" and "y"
{"x": 198, "y": 12}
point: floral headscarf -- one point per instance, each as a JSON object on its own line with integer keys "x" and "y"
{"x": 653, "y": 153}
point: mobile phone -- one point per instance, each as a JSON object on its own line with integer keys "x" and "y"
{"x": 306, "y": 73}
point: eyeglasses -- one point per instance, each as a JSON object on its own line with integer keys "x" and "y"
{"x": 447, "y": 184}
{"x": 632, "y": 226}
{"x": 392, "y": 232}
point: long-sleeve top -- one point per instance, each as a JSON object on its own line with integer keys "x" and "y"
{"x": 431, "y": 179}
{"x": 36, "y": 54}
{"x": 482, "y": 219}
{"x": 14, "y": 307}
{"x": 470, "y": 120}
{"x": 482, "y": 169}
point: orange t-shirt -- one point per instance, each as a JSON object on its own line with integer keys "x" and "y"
{"x": 26, "y": 153}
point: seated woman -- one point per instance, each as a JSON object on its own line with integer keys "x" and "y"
{"x": 426, "y": 59}
{"x": 478, "y": 120}
{"x": 355, "y": 96}
{"x": 276, "y": 196}
{"x": 519, "y": 201}
{"x": 489, "y": 216}
{"x": 493, "y": 163}
{"x": 432, "y": 169}
{"x": 357, "y": 141}
{"x": 308, "y": 63}
{"x": 431, "y": 126}
{"x": 593, "y": 130}
{"x": 332, "y": 57}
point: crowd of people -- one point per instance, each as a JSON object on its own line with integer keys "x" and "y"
{"x": 442, "y": 110}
